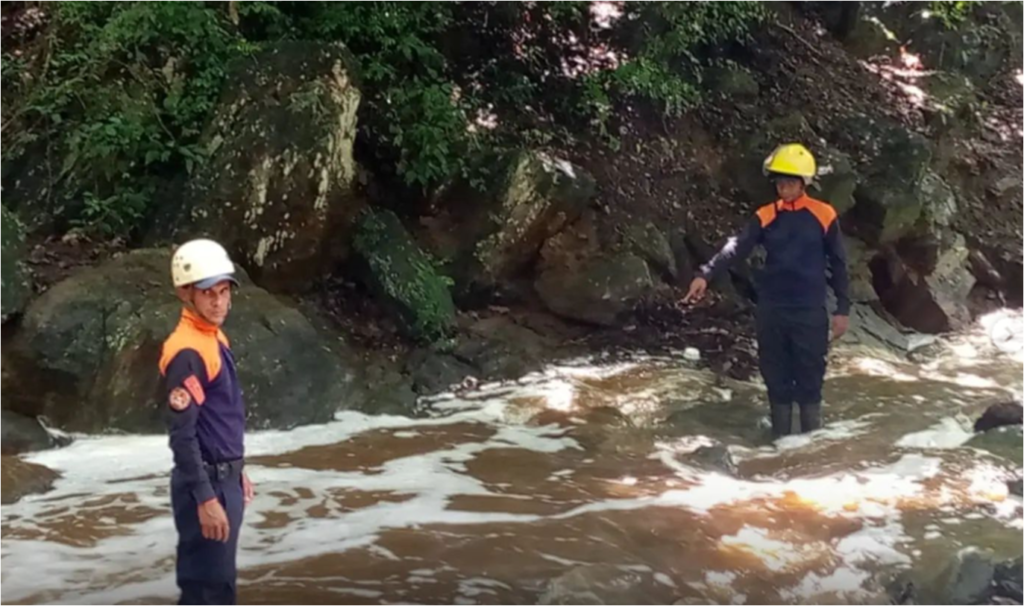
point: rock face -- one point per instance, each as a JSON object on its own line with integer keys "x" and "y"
{"x": 402, "y": 276}
{"x": 500, "y": 234}
{"x": 280, "y": 190}
{"x": 16, "y": 287}
{"x": 927, "y": 284}
{"x": 87, "y": 351}
{"x": 894, "y": 161}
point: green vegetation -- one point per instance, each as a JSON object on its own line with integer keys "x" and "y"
{"x": 119, "y": 93}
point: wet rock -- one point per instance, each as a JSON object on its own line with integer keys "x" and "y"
{"x": 280, "y": 189}
{"x": 1016, "y": 487}
{"x": 502, "y": 349}
{"x": 714, "y": 458}
{"x": 926, "y": 286}
{"x": 87, "y": 351}
{"x": 16, "y": 286}
{"x": 597, "y": 584}
{"x": 598, "y": 292}
{"x": 893, "y": 161}
{"x": 434, "y": 372}
{"x": 648, "y": 242}
{"x": 21, "y": 478}
{"x": 535, "y": 199}
{"x": 24, "y": 434}
{"x": 998, "y": 415}
{"x": 869, "y": 328}
{"x": 402, "y": 276}
{"x": 966, "y": 578}
{"x": 1007, "y": 582}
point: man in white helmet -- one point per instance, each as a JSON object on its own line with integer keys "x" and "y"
{"x": 206, "y": 422}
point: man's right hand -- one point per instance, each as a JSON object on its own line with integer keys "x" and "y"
{"x": 697, "y": 289}
{"x": 214, "y": 521}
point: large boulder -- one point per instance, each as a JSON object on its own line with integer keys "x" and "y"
{"x": 836, "y": 181}
{"x": 16, "y": 286}
{"x": 280, "y": 189}
{"x": 893, "y": 162}
{"x": 86, "y": 355}
{"x": 19, "y": 434}
{"x": 926, "y": 285}
{"x": 651, "y": 244}
{"x": 598, "y": 291}
{"x": 501, "y": 235}
{"x": 402, "y": 276}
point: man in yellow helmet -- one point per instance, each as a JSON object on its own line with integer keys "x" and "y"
{"x": 805, "y": 253}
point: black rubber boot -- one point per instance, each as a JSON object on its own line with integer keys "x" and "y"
{"x": 810, "y": 417}
{"x": 782, "y": 420}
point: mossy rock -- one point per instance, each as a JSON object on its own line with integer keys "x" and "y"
{"x": 402, "y": 276}
{"x": 86, "y": 353}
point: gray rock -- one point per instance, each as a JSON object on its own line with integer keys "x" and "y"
{"x": 21, "y": 434}
{"x": 967, "y": 577}
{"x": 1006, "y": 442}
{"x": 280, "y": 190}
{"x": 714, "y": 458}
{"x": 87, "y": 351}
{"x": 538, "y": 196}
{"x": 926, "y": 286}
{"x": 999, "y": 414}
{"x": 647, "y": 241}
{"x": 598, "y": 292}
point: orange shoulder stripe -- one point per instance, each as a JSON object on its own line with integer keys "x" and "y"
{"x": 205, "y": 345}
{"x": 766, "y": 214}
{"x": 822, "y": 211}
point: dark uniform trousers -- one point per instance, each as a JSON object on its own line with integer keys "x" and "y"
{"x": 206, "y": 569}
{"x": 792, "y": 350}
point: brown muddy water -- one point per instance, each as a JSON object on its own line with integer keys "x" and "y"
{"x": 578, "y": 482}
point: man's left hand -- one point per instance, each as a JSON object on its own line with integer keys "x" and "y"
{"x": 248, "y": 490}
{"x": 839, "y": 326}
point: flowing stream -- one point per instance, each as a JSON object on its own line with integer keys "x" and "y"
{"x": 585, "y": 477}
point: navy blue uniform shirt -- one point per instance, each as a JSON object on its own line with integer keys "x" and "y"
{"x": 805, "y": 253}
{"x": 206, "y": 420}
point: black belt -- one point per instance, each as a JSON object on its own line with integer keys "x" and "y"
{"x": 224, "y": 469}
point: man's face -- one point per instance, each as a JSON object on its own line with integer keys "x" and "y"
{"x": 789, "y": 188}
{"x": 213, "y": 304}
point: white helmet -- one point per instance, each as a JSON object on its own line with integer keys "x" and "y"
{"x": 203, "y": 263}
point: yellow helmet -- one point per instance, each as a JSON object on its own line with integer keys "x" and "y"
{"x": 791, "y": 159}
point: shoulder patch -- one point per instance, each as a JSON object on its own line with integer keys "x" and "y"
{"x": 823, "y": 212}
{"x": 179, "y": 399}
{"x": 766, "y": 214}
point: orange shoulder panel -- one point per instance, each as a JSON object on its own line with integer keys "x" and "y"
{"x": 822, "y": 211}
{"x": 766, "y": 214}
{"x": 205, "y": 345}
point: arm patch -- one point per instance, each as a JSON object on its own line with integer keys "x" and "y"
{"x": 195, "y": 389}
{"x": 179, "y": 399}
